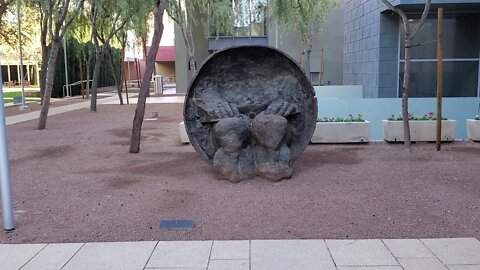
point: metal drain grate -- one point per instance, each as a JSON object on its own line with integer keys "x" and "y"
{"x": 177, "y": 224}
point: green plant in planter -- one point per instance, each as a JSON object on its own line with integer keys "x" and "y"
{"x": 411, "y": 117}
{"x": 350, "y": 118}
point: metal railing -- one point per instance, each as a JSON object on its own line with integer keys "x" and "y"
{"x": 67, "y": 89}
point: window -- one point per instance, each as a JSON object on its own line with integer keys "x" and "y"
{"x": 248, "y": 19}
{"x": 461, "y": 57}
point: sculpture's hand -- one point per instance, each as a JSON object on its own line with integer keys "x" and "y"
{"x": 284, "y": 109}
{"x": 223, "y": 109}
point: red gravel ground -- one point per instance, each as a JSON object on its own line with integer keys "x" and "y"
{"x": 76, "y": 182}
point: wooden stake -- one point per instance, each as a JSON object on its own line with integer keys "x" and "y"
{"x": 439, "y": 77}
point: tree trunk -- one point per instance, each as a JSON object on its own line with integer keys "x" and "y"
{"x": 96, "y": 74}
{"x": 52, "y": 61}
{"x": 138, "y": 74}
{"x": 82, "y": 89}
{"x": 192, "y": 64}
{"x": 118, "y": 81}
{"x": 150, "y": 65}
{"x": 88, "y": 64}
{"x": 405, "y": 90}
{"x": 306, "y": 58}
{"x": 126, "y": 84}
{"x": 43, "y": 70}
{"x": 123, "y": 77}
{"x": 306, "y": 66}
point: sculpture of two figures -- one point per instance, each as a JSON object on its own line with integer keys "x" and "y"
{"x": 250, "y": 111}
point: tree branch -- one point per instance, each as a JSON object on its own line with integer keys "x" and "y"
{"x": 423, "y": 19}
{"x": 402, "y": 14}
{"x": 72, "y": 18}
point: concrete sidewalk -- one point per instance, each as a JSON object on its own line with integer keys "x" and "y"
{"x": 424, "y": 254}
{"x": 113, "y": 99}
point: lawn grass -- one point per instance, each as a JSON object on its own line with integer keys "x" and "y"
{"x": 8, "y": 97}
{"x": 12, "y": 94}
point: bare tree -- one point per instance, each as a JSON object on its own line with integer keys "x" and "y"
{"x": 59, "y": 19}
{"x": 411, "y": 29}
{"x": 150, "y": 65}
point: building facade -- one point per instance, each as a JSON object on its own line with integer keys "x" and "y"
{"x": 325, "y": 60}
{"x": 362, "y": 44}
{"x": 374, "y": 55}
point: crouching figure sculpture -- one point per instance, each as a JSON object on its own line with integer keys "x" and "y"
{"x": 250, "y": 111}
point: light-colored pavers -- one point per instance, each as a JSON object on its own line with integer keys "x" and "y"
{"x": 455, "y": 250}
{"x": 230, "y": 250}
{"x": 290, "y": 254}
{"x": 181, "y": 254}
{"x": 407, "y": 248}
{"x": 15, "y": 256}
{"x": 464, "y": 267}
{"x": 120, "y": 255}
{"x": 228, "y": 265}
{"x": 375, "y": 254}
{"x": 370, "y": 268}
{"x": 360, "y": 253}
{"x": 53, "y": 257}
{"x": 421, "y": 264}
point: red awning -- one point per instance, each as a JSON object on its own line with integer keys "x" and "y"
{"x": 165, "y": 54}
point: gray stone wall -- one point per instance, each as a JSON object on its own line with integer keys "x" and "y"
{"x": 370, "y": 48}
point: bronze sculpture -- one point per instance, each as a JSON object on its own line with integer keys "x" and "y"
{"x": 250, "y": 111}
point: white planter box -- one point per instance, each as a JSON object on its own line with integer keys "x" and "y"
{"x": 341, "y": 132}
{"x": 183, "y": 133}
{"x": 420, "y": 131}
{"x": 473, "y": 130}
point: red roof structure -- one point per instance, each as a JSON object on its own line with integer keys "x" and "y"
{"x": 165, "y": 54}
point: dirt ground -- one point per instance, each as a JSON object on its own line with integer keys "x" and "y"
{"x": 76, "y": 182}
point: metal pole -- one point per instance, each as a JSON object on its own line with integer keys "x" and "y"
{"x": 5, "y": 186}
{"x": 439, "y": 77}
{"x": 66, "y": 66}
{"x": 23, "y": 107}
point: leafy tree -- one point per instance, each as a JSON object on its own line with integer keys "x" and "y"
{"x": 305, "y": 16}
{"x": 60, "y": 15}
{"x": 9, "y": 32}
{"x": 222, "y": 15}
{"x": 411, "y": 29}
{"x": 80, "y": 31}
{"x": 107, "y": 18}
{"x": 187, "y": 15}
{"x": 139, "y": 26}
{"x": 4, "y": 5}
{"x": 150, "y": 66}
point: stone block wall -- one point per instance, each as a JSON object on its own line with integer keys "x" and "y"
{"x": 370, "y": 48}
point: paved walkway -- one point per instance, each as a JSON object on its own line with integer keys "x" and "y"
{"x": 111, "y": 99}
{"x": 423, "y": 254}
